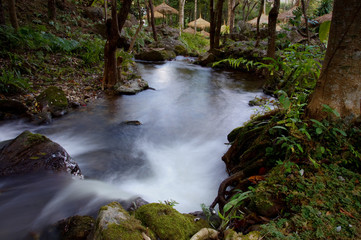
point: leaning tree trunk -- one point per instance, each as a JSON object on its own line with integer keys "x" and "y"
{"x": 217, "y": 35}
{"x": 12, "y": 14}
{"x": 2, "y": 16}
{"x": 304, "y": 10}
{"x": 114, "y": 27}
{"x": 212, "y": 29}
{"x": 260, "y": 11}
{"x": 51, "y": 9}
{"x": 339, "y": 85}
{"x": 152, "y": 20}
{"x": 272, "y": 23}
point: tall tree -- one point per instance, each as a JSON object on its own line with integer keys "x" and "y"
{"x": 51, "y": 9}
{"x": 114, "y": 27}
{"x": 181, "y": 15}
{"x": 272, "y": 23}
{"x": 2, "y": 16}
{"x": 260, "y": 11}
{"x": 217, "y": 35}
{"x": 12, "y": 14}
{"x": 304, "y": 11}
{"x": 212, "y": 29}
{"x": 151, "y": 8}
{"x": 339, "y": 85}
{"x": 195, "y": 17}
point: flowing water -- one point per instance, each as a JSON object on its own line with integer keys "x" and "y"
{"x": 174, "y": 155}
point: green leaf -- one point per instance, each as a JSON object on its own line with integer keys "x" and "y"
{"x": 324, "y": 31}
{"x": 319, "y": 131}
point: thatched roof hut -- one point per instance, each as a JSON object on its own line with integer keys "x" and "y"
{"x": 204, "y": 33}
{"x": 285, "y": 16}
{"x": 165, "y": 9}
{"x": 201, "y": 23}
{"x": 263, "y": 20}
{"x": 324, "y": 18}
{"x": 189, "y": 30}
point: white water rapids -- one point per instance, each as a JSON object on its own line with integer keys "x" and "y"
{"x": 174, "y": 155}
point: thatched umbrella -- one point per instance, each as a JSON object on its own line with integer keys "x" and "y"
{"x": 204, "y": 33}
{"x": 285, "y": 16}
{"x": 263, "y": 20}
{"x": 189, "y": 30}
{"x": 165, "y": 9}
{"x": 201, "y": 23}
{"x": 156, "y": 15}
{"x": 324, "y": 18}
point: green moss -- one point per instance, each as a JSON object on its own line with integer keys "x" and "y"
{"x": 168, "y": 223}
{"x": 316, "y": 203}
{"x": 55, "y": 97}
{"x": 127, "y": 230}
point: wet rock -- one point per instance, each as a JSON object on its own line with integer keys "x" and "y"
{"x": 11, "y": 109}
{"x": 155, "y": 54}
{"x": 94, "y": 13}
{"x": 132, "y": 122}
{"x": 29, "y": 153}
{"x": 131, "y": 87}
{"x": 136, "y": 203}
{"x": 113, "y": 222}
{"x": 168, "y": 223}
{"x": 75, "y": 228}
{"x": 54, "y": 100}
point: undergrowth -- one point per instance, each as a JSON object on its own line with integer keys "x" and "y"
{"x": 313, "y": 164}
{"x": 195, "y": 43}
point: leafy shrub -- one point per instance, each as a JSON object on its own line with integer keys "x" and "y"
{"x": 12, "y": 82}
{"x": 194, "y": 43}
{"x": 91, "y": 51}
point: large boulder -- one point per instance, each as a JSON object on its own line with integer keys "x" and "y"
{"x": 114, "y": 223}
{"x": 12, "y": 109}
{"x": 53, "y": 99}
{"x": 29, "y": 153}
{"x": 155, "y": 54}
{"x": 94, "y": 13}
{"x": 71, "y": 228}
{"x": 131, "y": 87}
{"x": 168, "y": 223}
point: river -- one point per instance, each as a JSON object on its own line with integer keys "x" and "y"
{"x": 174, "y": 155}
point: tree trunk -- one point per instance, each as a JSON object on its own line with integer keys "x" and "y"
{"x": 217, "y": 35}
{"x": 12, "y": 14}
{"x": 2, "y": 16}
{"x": 195, "y": 17}
{"x": 339, "y": 85}
{"x": 212, "y": 29}
{"x": 272, "y": 22}
{"x": 260, "y": 11}
{"x": 114, "y": 27}
{"x": 105, "y": 10}
{"x": 231, "y": 18}
{"x": 181, "y": 15}
{"x": 51, "y": 10}
{"x": 152, "y": 20}
{"x": 304, "y": 10}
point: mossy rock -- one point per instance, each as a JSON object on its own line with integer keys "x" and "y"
{"x": 167, "y": 223}
{"x": 180, "y": 50}
{"x": 29, "y": 153}
{"x": 156, "y": 55}
{"x": 54, "y": 99}
{"x": 76, "y": 227}
{"x": 114, "y": 223}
